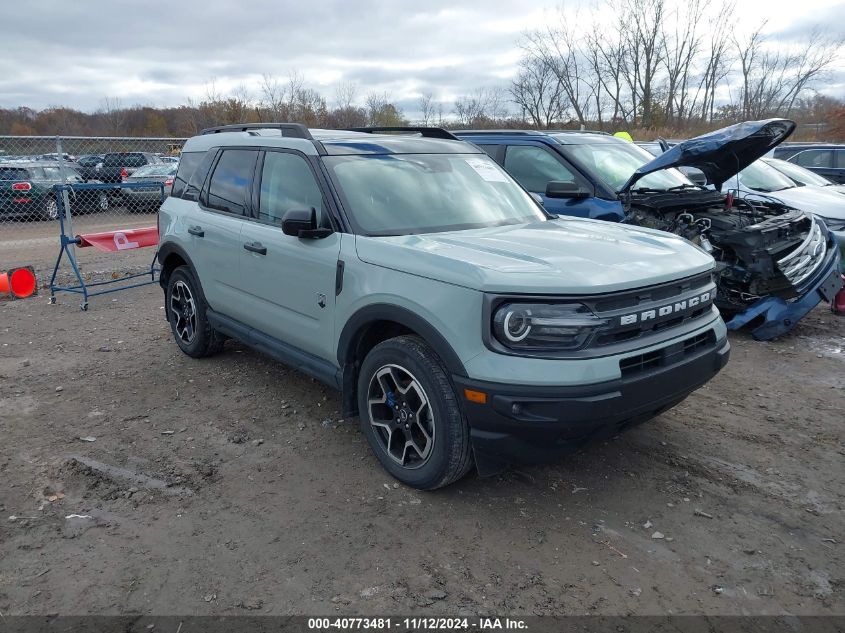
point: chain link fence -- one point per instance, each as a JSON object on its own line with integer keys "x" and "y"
{"x": 32, "y": 166}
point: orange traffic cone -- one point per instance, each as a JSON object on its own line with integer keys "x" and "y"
{"x": 20, "y": 282}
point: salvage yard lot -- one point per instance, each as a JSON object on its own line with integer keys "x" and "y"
{"x": 230, "y": 485}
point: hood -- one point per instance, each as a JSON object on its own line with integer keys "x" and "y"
{"x": 812, "y": 199}
{"x": 563, "y": 256}
{"x": 723, "y": 153}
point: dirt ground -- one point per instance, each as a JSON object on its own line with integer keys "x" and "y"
{"x": 231, "y": 485}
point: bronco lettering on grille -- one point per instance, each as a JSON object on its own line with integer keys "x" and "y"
{"x": 672, "y": 308}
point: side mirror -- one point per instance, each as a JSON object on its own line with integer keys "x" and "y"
{"x": 303, "y": 223}
{"x": 559, "y": 189}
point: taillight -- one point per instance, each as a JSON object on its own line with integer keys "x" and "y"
{"x": 168, "y": 182}
{"x": 124, "y": 174}
{"x": 21, "y": 186}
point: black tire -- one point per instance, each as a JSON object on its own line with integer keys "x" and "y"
{"x": 449, "y": 457}
{"x": 192, "y": 332}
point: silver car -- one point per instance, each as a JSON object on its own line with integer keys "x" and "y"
{"x": 148, "y": 197}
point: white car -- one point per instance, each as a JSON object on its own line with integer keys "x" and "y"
{"x": 802, "y": 176}
{"x": 762, "y": 179}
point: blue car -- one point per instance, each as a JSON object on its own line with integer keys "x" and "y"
{"x": 774, "y": 263}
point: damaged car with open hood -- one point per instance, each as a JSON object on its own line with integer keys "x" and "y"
{"x": 774, "y": 263}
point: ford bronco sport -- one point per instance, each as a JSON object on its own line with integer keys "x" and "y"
{"x": 459, "y": 321}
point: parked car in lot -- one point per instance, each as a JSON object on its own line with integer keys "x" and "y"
{"x": 824, "y": 159}
{"x": 774, "y": 263}
{"x": 26, "y": 191}
{"x": 149, "y": 198}
{"x": 461, "y": 321}
{"x": 89, "y": 166}
{"x": 802, "y": 176}
{"x": 119, "y": 165}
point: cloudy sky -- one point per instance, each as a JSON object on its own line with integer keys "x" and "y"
{"x": 76, "y": 52}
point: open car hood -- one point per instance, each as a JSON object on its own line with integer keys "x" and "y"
{"x": 723, "y": 153}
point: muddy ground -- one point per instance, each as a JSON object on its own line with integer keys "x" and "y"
{"x": 231, "y": 485}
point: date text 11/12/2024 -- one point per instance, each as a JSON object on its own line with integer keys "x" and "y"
{"x": 417, "y": 624}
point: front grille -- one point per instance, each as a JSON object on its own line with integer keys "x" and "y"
{"x": 804, "y": 260}
{"x": 666, "y": 356}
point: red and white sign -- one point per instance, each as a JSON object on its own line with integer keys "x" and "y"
{"x": 113, "y": 241}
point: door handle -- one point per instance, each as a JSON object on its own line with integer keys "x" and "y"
{"x": 196, "y": 230}
{"x": 256, "y": 247}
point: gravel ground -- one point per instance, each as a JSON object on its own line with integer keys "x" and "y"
{"x": 134, "y": 479}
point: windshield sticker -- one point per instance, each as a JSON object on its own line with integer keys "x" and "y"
{"x": 487, "y": 170}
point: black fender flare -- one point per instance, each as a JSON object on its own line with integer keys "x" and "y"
{"x": 169, "y": 248}
{"x": 402, "y": 316}
{"x": 386, "y": 312}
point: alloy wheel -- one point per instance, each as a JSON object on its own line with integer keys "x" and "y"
{"x": 401, "y": 416}
{"x": 183, "y": 311}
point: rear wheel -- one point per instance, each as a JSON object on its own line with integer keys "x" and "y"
{"x": 50, "y": 209}
{"x": 410, "y": 414}
{"x": 103, "y": 201}
{"x": 186, "y": 312}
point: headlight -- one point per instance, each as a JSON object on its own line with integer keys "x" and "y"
{"x": 545, "y": 326}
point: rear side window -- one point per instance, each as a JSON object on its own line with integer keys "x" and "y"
{"x": 230, "y": 182}
{"x": 197, "y": 179}
{"x": 533, "y": 167}
{"x": 187, "y": 164}
{"x": 287, "y": 183}
{"x": 815, "y": 158}
{"x": 840, "y": 158}
{"x": 13, "y": 173}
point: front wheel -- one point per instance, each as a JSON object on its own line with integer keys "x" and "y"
{"x": 186, "y": 312}
{"x": 410, "y": 414}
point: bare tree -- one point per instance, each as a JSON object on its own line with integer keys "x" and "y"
{"x": 114, "y": 114}
{"x": 537, "y": 91}
{"x": 344, "y": 94}
{"x": 427, "y": 108}
{"x": 681, "y": 46}
{"x": 273, "y": 97}
{"x": 381, "y": 111}
{"x": 773, "y": 79}
{"x": 719, "y": 60}
{"x": 643, "y": 46}
{"x": 559, "y": 48}
{"x": 480, "y": 108}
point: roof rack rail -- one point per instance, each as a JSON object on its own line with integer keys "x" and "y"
{"x": 498, "y": 131}
{"x": 292, "y": 130}
{"x": 427, "y": 132}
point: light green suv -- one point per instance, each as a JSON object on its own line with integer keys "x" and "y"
{"x": 461, "y": 322}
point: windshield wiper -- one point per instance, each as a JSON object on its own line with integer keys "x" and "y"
{"x": 686, "y": 185}
{"x": 647, "y": 190}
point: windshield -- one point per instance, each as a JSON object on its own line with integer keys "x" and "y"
{"x": 614, "y": 163}
{"x": 799, "y": 174}
{"x": 762, "y": 177}
{"x": 401, "y": 194}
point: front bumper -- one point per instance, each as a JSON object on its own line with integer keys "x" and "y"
{"x": 526, "y": 424}
{"x": 780, "y": 316}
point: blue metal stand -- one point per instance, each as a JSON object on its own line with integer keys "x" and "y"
{"x": 68, "y": 241}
